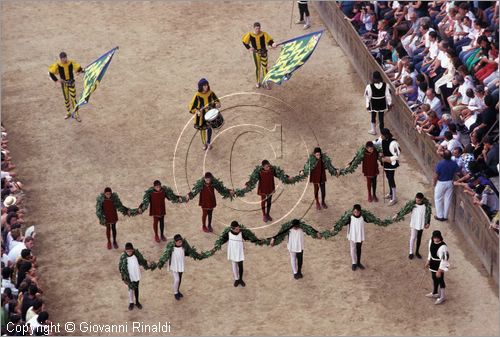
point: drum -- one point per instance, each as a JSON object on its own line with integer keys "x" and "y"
{"x": 214, "y": 119}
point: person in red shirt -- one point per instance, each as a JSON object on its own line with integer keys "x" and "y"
{"x": 318, "y": 178}
{"x": 109, "y": 205}
{"x": 265, "y": 189}
{"x": 157, "y": 210}
{"x": 370, "y": 170}
{"x": 207, "y": 202}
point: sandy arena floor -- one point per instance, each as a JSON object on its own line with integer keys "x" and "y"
{"x": 130, "y": 132}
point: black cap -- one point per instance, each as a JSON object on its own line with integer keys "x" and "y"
{"x": 256, "y": 24}
{"x": 295, "y": 222}
{"x": 156, "y": 183}
{"x": 129, "y": 245}
{"x": 177, "y": 237}
{"x": 437, "y": 234}
{"x": 62, "y": 55}
{"x": 107, "y": 189}
{"x": 235, "y": 224}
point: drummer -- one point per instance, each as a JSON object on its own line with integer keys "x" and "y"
{"x": 204, "y": 100}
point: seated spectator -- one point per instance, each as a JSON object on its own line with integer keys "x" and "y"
{"x": 421, "y": 114}
{"x": 489, "y": 157}
{"x": 488, "y": 117}
{"x": 487, "y": 64}
{"x": 488, "y": 200}
{"x": 355, "y": 17}
{"x": 449, "y": 143}
{"x": 433, "y": 101}
{"x": 408, "y": 90}
{"x": 445, "y": 124}
{"x": 464, "y": 81}
{"x": 368, "y": 20}
{"x": 430, "y": 125}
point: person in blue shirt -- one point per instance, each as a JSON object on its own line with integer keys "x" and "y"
{"x": 444, "y": 174}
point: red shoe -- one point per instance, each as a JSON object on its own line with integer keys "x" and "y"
{"x": 109, "y": 245}
{"x": 318, "y": 206}
{"x": 370, "y": 198}
{"x": 375, "y": 198}
{"x": 269, "y": 218}
{"x": 204, "y": 228}
{"x": 264, "y": 218}
{"x": 157, "y": 238}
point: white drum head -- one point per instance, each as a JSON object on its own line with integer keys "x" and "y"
{"x": 211, "y": 115}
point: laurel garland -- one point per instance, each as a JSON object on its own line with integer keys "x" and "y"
{"x": 285, "y": 228}
{"x": 116, "y": 203}
{"x": 216, "y": 183}
{"x": 250, "y": 185}
{"x": 169, "y": 194}
{"x": 408, "y": 208}
{"x": 123, "y": 266}
{"x": 254, "y": 177}
{"x": 244, "y": 232}
{"x": 188, "y": 251}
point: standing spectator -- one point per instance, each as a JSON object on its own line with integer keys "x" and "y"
{"x": 378, "y": 100}
{"x": 443, "y": 181}
{"x": 304, "y": 12}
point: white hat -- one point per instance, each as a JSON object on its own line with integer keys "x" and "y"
{"x": 9, "y": 201}
{"x": 30, "y": 231}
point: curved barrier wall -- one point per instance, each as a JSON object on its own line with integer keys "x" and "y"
{"x": 471, "y": 219}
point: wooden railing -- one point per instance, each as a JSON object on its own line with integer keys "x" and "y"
{"x": 471, "y": 219}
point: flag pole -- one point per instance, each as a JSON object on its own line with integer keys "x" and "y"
{"x": 291, "y": 15}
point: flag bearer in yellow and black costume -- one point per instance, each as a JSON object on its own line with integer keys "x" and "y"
{"x": 65, "y": 69}
{"x": 257, "y": 42}
{"x": 204, "y": 100}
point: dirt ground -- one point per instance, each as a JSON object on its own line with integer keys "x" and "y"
{"x": 133, "y": 128}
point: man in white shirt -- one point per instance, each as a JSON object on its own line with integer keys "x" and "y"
{"x": 433, "y": 101}
{"x": 28, "y": 243}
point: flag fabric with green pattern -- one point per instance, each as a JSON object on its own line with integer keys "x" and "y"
{"x": 94, "y": 73}
{"x": 294, "y": 53}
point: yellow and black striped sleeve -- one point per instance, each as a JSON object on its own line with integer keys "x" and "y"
{"x": 269, "y": 40}
{"x": 53, "y": 70}
{"x": 195, "y": 103}
{"x": 77, "y": 67}
{"x": 246, "y": 40}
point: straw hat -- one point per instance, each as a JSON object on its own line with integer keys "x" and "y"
{"x": 9, "y": 201}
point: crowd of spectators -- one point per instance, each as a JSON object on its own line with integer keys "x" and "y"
{"x": 442, "y": 58}
{"x": 23, "y": 310}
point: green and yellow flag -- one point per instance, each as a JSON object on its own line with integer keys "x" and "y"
{"x": 94, "y": 73}
{"x": 294, "y": 53}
